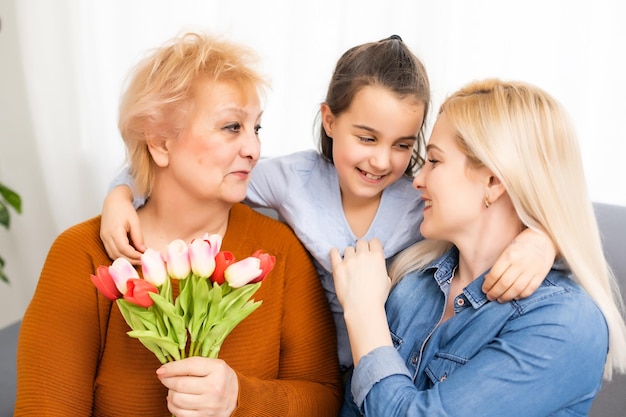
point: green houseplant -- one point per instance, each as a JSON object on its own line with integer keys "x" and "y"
{"x": 8, "y": 197}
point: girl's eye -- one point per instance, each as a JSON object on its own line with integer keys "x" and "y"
{"x": 365, "y": 139}
{"x": 405, "y": 146}
{"x": 233, "y": 127}
{"x": 256, "y": 129}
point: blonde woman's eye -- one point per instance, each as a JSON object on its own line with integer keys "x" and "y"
{"x": 256, "y": 129}
{"x": 433, "y": 161}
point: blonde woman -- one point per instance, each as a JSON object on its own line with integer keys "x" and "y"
{"x": 502, "y": 157}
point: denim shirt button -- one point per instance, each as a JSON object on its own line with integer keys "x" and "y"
{"x": 443, "y": 378}
{"x": 460, "y": 302}
{"x": 414, "y": 360}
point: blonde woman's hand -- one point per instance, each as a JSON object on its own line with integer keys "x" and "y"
{"x": 521, "y": 268}
{"x": 119, "y": 219}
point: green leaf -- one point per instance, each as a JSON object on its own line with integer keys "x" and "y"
{"x": 12, "y": 198}
{"x": 4, "y": 215}
{"x": 173, "y": 321}
{"x": 152, "y": 338}
{"x": 3, "y": 277}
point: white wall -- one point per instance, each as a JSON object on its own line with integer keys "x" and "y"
{"x": 62, "y": 64}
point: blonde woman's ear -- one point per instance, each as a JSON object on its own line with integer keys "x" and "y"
{"x": 495, "y": 190}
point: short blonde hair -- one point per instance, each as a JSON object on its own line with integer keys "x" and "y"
{"x": 159, "y": 95}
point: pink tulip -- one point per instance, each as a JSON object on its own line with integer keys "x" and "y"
{"x": 267, "y": 264}
{"x": 105, "y": 284}
{"x": 242, "y": 272}
{"x": 177, "y": 258}
{"x": 121, "y": 271}
{"x": 222, "y": 261}
{"x": 153, "y": 267}
{"x": 202, "y": 254}
{"x": 139, "y": 292}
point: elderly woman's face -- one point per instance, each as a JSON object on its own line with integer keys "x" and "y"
{"x": 214, "y": 156}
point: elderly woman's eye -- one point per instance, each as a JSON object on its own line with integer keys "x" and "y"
{"x": 233, "y": 127}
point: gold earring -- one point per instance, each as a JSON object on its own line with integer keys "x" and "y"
{"x": 487, "y": 203}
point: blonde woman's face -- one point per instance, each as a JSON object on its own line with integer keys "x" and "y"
{"x": 213, "y": 157}
{"x": 453, "y": 193}
{"x": 372, "y": 141}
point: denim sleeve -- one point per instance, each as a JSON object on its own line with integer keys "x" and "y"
{"x": 124, "y": 178}
{"x": 373, "y": 368}
{"x": 544, "y": 360}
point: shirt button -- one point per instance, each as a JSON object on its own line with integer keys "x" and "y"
{"x": 460, "y": 302}
{"x": 443, "y": 378}
{"x": 414, "y": 360}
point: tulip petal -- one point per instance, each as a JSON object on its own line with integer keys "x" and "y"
{"x": 153, "y": 267}
{"x": 138, "y": 292}
{"x": 202, "y": 257}
{"x": 177, "y": 258}
{"x": 121, "y": 271}
{"x": 242, "y": 272}
{"x": 222, "y": 261}
{"x": 105, "y": 284}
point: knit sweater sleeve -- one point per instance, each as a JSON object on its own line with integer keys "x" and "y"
{"x": 59, "y": 342}
{"x": 308, "y": 381}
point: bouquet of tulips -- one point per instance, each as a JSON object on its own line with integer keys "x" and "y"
{"x": 214, "y": 295}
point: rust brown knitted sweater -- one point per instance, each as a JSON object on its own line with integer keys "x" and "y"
{"x": 75, "y": 359}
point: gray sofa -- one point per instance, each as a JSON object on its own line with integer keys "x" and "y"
{"x": 611, "y": 402}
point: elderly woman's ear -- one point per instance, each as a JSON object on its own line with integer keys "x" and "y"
{"x": 159, "y": 149}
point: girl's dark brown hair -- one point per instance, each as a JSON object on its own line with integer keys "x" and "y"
{"x": 387, "y": 63}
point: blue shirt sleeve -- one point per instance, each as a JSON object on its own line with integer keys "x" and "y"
{"x": 124, "y": 178}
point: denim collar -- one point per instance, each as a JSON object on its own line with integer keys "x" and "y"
{"x": 443, "y": 273}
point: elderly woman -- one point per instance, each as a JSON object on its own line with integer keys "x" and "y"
{"x": 190, "y": 118}
{"x": 502, "y": 157}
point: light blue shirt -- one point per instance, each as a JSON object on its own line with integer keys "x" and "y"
{"x": 303, "y": 189}
{"x": 540, "y": 356}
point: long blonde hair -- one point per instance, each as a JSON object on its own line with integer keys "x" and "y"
{"x": 525, "y": 137}
{"x": 159, "y": 95}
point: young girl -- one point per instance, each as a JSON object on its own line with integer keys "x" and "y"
{"x": 359, "y": 184}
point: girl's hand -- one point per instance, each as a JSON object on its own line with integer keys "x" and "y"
{"x": 119, "y": 219}
{"x": 200, "y": 387}
{"x": 521, "y": 268}
{"x": 362, "y": 287}
{"x": 361, "y": 276}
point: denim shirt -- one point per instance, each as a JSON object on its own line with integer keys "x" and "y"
{"x": 540, "y": 356}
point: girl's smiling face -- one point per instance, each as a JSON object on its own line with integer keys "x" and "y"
{"x": 372, "y": 141}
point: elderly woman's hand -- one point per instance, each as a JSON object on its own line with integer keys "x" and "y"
{"x": 200, "y": 387}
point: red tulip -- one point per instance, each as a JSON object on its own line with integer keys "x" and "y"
{"x": 267, "y": 264}
{"x": 138, "y": 292}
{"x": 222, "y": 260}
{"x": 105, "y": 284}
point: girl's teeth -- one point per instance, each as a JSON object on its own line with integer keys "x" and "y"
{"x": 428, "y": 203}
{"x": 373, "y": 177}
